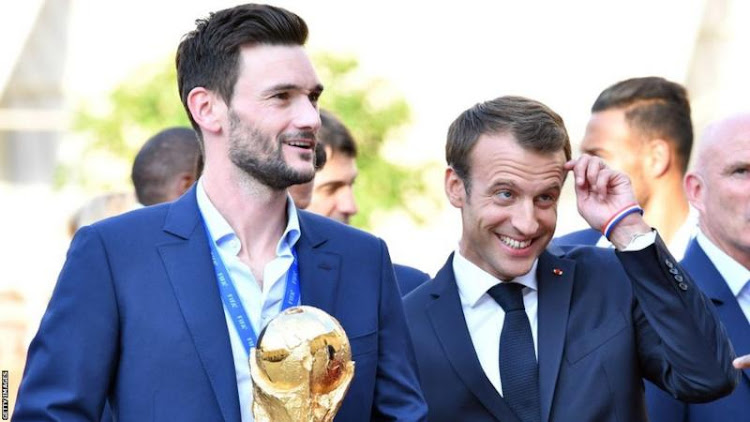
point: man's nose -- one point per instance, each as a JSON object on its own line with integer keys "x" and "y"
{"x": 346, "y": 203}
{"x": 525, "y": 219}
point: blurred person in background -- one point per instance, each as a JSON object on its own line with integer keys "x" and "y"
{"x": 167, "y": 165}
{"x": 333, "y": 187}
{"x": 302, "y": 193}
{"x": 164, "y": 168}
{"x": 642, "y": 127}
{"x": 719, "y": 259}
{"x": 100, "y": 207}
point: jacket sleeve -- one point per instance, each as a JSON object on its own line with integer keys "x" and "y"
{"x": 398, "y": 396}
{"x": 683, "y": 347}
{"x": 72, "y": 356}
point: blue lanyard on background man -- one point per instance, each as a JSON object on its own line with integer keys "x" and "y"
{"x": 232, "y": 301}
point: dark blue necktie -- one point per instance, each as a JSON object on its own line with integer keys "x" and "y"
{"x": 518, "y": 368}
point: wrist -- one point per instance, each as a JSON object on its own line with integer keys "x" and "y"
{"x": 629, "y": 228}
{"x": 618, "y": 218}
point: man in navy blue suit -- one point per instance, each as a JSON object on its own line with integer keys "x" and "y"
{"x": 510, "y": 330}
{"x": 642, "y": 127}
{"x": 719, "y": 258}
{"x": 138, "y": 317}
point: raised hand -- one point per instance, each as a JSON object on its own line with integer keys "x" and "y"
{"x": 601, "y": 193}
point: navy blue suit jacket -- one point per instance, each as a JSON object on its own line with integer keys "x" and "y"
{"x": 600, "y": 331}
{"x": 736, "y": 407}
{"x": 409, "y": 278}
{"x": 587, "y": 237}
{"x": 136, "y": 318}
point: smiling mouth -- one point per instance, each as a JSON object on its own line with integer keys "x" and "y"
{"x": 301, "y": 144}
{"x": 513, "y": 243}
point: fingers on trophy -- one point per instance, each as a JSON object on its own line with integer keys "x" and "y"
{"x": 301, "y": 368}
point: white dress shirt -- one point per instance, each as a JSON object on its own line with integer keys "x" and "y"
{"x": 484, "y": 317}
{"x": 260, "y": 304}
{"x": 735, "y": 275}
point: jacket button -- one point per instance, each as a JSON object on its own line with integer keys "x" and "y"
{"x": 673, "y": 270}
{"x": 683, "y": 286}
{"x": 678, "y": 277}
{"x": 668, "y": 263}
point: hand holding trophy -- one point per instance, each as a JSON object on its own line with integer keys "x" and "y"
{"x": 301, "y": 368}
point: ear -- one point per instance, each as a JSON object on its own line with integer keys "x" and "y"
{"x": 184, "y": 181}
{"x": 694, "y": 189}
{"x": 454, "y": 188}
{"x": 659, "y": 157}
{"x": 206, "y": 108}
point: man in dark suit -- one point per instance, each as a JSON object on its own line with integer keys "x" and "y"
{"x": 642, "y": 127}
{"x": 510, "y": 330}
{"x": 137, "y": 316}
{"x": 719, "y": 259}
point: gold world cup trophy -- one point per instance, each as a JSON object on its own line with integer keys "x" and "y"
{"x": 301, "y": 368}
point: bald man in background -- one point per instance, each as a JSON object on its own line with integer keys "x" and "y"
{"x": 719, "y": 260}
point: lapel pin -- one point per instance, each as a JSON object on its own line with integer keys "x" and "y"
{"x": 557, "y": 272}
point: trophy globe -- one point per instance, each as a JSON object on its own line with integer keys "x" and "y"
{"x": 301, "y": 368}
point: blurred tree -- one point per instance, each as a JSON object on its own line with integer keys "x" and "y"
{"x": 149, "y": 102}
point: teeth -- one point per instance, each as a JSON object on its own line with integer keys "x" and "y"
{"x": 299, "y": 144}
{"x": 515, "y": 244}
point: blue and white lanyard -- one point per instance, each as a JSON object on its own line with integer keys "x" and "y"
{"x": 232, "y": 301}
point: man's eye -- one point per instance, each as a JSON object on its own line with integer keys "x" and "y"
{"x": 504, "y": 194}
{"x": 281, "y": 96}
{"x": 546, "y": 200}
{"x": 314, "y": 97}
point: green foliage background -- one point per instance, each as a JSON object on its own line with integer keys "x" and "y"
{"x": 148, "y": 102}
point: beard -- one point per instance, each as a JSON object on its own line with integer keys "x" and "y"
{"x": 262, "y": 159}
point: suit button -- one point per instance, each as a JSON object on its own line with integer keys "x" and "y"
{"x": 678, "y": 277}
{"x": 668, "y": 263}
{"x": 683, "y": 286}
{"x": 673, "y": 270}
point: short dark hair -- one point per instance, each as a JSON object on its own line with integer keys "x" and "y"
{"x": 320, "y": 156}
{"x": 334, "y": 134}
{"x": 654, "y": 107}
{"x": 534, "y": 126}
{"x": 209, "y": 55}
{"x": 165, "y": 155}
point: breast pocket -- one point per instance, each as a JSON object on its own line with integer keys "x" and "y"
{"x": 592, "y": 340}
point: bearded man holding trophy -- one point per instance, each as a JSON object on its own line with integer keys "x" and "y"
{"x": 156, "y": 311}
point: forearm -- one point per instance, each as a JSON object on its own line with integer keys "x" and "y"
{"x": 683, "y": 346}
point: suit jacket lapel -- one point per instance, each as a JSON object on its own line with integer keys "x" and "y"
{"x": 188, "y": 264}
{"x": 555, "y": 282}
{"x": 447, "y": 318}
{"x": 319, "y": 269}
{"x": 708, "y": 278}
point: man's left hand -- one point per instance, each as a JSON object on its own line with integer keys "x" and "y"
{"x": 601, "y": 192}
